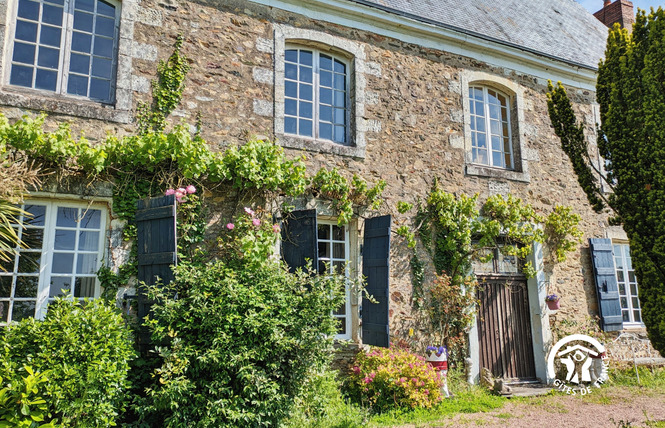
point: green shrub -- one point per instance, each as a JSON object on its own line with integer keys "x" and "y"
{"x": 239, "y": 341}
{"x": 384, "y": 379}
{"x": 20, "y": 402}
{"x": 86, "y": 349}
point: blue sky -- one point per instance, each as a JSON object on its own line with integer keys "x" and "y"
{"x": 595, "y": 5}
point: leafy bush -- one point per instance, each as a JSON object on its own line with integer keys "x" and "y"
{"x": 20, "y": 403}
{"x": 384, "y": 379}
{"x": 238, "y": 342}
{"x": 86, "y": 349}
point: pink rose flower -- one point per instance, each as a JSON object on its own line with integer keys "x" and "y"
{"x": 249, "y": 211}
{"x": 276, "y": 229}
{"x": 169, "y": 192}
{"x": 356, "y": 370}
{"x": 230, "y": 226}
{"x": 179, "y": 195}
{"x": 256, "y": 222}
{"x": 191, "y": 189}
{"x": 182, "y": 190}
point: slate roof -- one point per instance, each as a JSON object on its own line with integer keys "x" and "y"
{"x": 562, "y": 29}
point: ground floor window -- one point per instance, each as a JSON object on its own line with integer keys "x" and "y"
{"x": 333, "y": 255}
{"x": 630, "y": 303}
{"x": 66, "y": 242}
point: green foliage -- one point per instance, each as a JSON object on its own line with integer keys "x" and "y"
{"x": 20, "y": 402}
{"x": 563, "y": 235}
{"x": 250, "y": 239}
{"x": 9, "y": 239}
{"x": 332, "y": 185}
{"x": 407, "y": 234}
{"x": 388, "y": 378}
{"x": 631, "y": 94}
{"x": 239, "y": 342}
{"x": 321, "y": 405}
{"x": 166, "y": 91}
{"x": 403, "y": 207}
{"x": 86, "y": 349}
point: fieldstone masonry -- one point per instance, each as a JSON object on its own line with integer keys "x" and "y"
{"x": 409, "y": 117}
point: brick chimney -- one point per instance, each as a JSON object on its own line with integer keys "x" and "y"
{"x": 620, "y": 11}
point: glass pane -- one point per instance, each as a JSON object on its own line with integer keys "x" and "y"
{"x": 325, "y": 113}
{"x": 324, "y": 231}
{"x": 620, "y": 277}
{"x": 291, "y": 55}
{"x": 339, "y": 267}
{"x": 23, "y": 310}
{"x": 8, "y": 265}
{"x": 291, "y": 89}
{"x": 504, "y": 114}
{"x": 77, "y": 85}
{"x": 62, "y": 263}
{"x": 633, "y": 289}
{"x": 626, "y": 316}
{"x": 305, "y": 92}
{"x": 507, "y": 263}
{"x": 326, "y": 96}
{"x": 100, "y": 89}
{"x": 482, "y": 156}
{"x": 65, "y": 239}
{"x": 291, "y": 71}
{"x": 83, "y": 21}
{"x": 505, "y": 130}
{"x": 81, "y": 42}
{"x": 86, "y": 264}
{"x": 325, "y": 62}
{"x": 24, "y": 53}
{"x": 29, "y": 262}
{"x": 629, "y": 262}
{"x": 497, "y": 159}
{"x": 305, "y": 74}
{"x": 338, "y": 251}
{"x": 104, "y": 8}
{"x": 480, "y": 124}
{"x": 340, "y": 81}
{"x": 38, "y": 214}
{"x": 52, "y": 15}
{"x": 338, "y": 233}
{"x": 324, "y": 250}
{"x": 325, "y": 131}
{"x": 291, "y": 107}
{"x": 48, "y": 58}
{"x": 495, "y": 128}
{"x": 325, "y": 78}
{"x": 25, "y": 31}
{"x": 26, "y": 286}
{"x": 46, "y": 79}
{"x": 480, "y": 141}
{"x": 21, "y": 76}
{"x": 340, "y": 116}
{"x": 290, "y": 125}
{"x": 102, "y": 67}
{"x": 28, "y": 9}
{"x": 638, "y": 316}
{"x": 60, "y": 286}
{"x": 508, "y": 161}
{"x": 88, "y": 241}
{"x": 80, "y": 64}
{"x": 50, "y": 36}
{"x": 306, "y": 57}
{"x": 494, "y": 113}
{"x": 636, "y": 303}
{"x": 85, "y": 287}
{"x": 496, "y": 143}
{"x": 88, "y": 5}
{"x": 5, "y": 286}
{"x": 67, "y": 217}
{"x": 631, "y": 276}
{"x": 4, "y": 311}
{"x": 340, "y": 67}
{"x": 340, "y": 99}
{"x": 322, "y": 267}
{"x": 624, "y": 302}
{"x": 103, "y": 47}
{"x": 340, "y": 134}
{"x": 622, "y": 288}
{"x": 341, "y": 328}
{"x": 305, "y": 127}
{"x": 105, "y": 26}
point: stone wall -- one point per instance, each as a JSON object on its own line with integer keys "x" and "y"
{"x": 413, "y": 120}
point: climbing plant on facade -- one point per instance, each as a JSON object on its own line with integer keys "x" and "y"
{"x": 631, "y": 139}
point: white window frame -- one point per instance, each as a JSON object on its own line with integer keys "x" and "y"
{"x": 316, "y": 102}
{"x": 624, "y": 250}
{"x": 65, "y": 52}
{"x": 48, "y": 250}
{"x": 488, "y": 128}
{"x": 347, "y": 259}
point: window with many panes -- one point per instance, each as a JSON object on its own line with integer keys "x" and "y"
{"x": 630, "y": 302}
{"x": 333, "y": 255}
{"x": 66, "y": 47}
{"x": 490, "y": 127}
{"x": 316, "y": 95}
{"x": 65, "y": 244}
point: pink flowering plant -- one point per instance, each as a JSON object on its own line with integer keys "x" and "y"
{"x": 388, "y": 378}
{"x": 250, "y": 237}
{"x": 191, "y": 226}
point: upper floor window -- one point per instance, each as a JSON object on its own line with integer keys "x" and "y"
{"x": 627, "y": 282}
{"x": 65, "y": 243}
{"x": 490, "y": 127}
{"x": 66, "y": 47}
{"x": 316, "y": 95}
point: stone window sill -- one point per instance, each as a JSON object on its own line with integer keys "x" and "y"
{"x": 51, "y": 103}
{"x": 320, "y": 146}
{"x": 486, "y": 171}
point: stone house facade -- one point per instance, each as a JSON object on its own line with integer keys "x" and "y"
{"x": 413, "y": 80}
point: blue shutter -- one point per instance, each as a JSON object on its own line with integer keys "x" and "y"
{"x": 607, "y": 288}
{"x": 156, "y": 248}
{"x": 299, "y": 246}
{"x": 376, "y": 270}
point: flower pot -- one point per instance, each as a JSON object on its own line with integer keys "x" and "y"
{"x": 553, "y": 304}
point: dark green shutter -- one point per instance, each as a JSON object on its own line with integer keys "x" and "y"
{"x": 299, "y": 246}
{"x": 156, "y": 247}
{"x": 607, "y": 289}
{"x": 376, "y": 270}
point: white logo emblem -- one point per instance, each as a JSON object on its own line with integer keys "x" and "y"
{"x": 583, "y": 364}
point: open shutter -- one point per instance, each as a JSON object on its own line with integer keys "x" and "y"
{"x": 376, "y": 260}
{"x": 606, "y": 284}
{"x": 299, "y": 248}
{"x": 156, "y": 245}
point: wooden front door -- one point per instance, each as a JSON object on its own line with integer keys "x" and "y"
{"x": 504, "y": 328}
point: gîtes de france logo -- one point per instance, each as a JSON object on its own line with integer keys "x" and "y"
{"x": 583, "y": 364}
